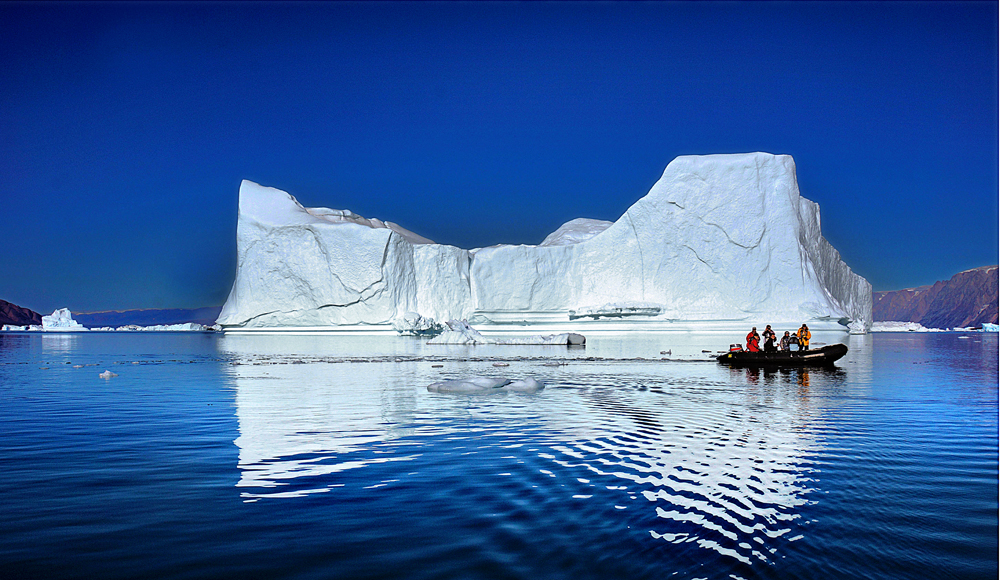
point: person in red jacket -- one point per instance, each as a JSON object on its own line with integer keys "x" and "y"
{"x": 753, "y": 340}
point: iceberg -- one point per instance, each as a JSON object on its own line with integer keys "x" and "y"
{"x": 719, "y": 242}
{"x": 901, "y": 326}
{"x": 182, "y": 327}
{"x": 61, "y": 321}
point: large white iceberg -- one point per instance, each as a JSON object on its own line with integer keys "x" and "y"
{"x": 61, "y": 321}
{"x": 720, "y": 241}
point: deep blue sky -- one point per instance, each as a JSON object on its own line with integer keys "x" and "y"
{"x": 125, "y": 129}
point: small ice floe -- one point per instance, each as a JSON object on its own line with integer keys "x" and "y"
{"x": 501, "y": 364}
{"x": 414, "y": 324}
{"x": 107, "y": 375}
{"x": 459, "y": 332}
{"x": 485, "y": 385}
{"x": 525, "y": 385}
{"x": 469, "y": 385}
{"x": 666, "y": 352}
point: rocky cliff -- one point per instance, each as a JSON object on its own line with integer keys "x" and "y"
{"x": 16, "y": 315}
{"x": 969, "y": 298}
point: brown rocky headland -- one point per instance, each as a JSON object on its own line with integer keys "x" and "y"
{"x": 17, "y": 315}
{"x": 967, "y": 299}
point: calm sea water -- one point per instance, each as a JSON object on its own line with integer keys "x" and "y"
{"x": 325, "y": 457}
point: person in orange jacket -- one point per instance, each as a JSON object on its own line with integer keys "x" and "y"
{"x": 753, "y": 340}
{"x": 804, "y": 336}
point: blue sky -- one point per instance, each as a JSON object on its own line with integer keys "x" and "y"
{"x": 125, "y": 129}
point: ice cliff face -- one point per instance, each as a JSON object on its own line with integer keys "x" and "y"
{"x": 718, "y": 239}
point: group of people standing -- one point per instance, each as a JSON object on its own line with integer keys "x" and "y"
{"x": 801, "y": 338}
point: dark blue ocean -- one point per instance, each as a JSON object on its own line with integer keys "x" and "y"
{"x": 213, "y": 456}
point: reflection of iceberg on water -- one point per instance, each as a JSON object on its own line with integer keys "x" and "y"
{"x": 58, "y": 343}
{"x": 725, "y": 472}
{"x": 299, "y": 422}
{"x": 702, "y": 457}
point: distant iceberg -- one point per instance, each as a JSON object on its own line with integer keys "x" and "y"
{"x": 720, "y": 241}
{"x": 183, "y": 327}
{"x": 60, "y": 321}
{"x": 895, "y": 326}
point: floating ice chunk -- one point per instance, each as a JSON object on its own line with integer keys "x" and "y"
{"x": 564, "y": 339}
{"x": 485, "y": 385}
{"x": 61, "y": 320}
{"x": 988, "y": 327}
{"x": 460, "y": 332}
{"x": 107, "y": 375}
{"x": 526, "y": 385}
{"x": 469, "y": 385}
{"x": 412, "y": 323}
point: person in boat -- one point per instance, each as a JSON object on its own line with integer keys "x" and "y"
{"x": 753, "y": 340}
{"x": 769, "y": 337}
{"x": 804, "y": 335}
{"x": 786, "y": 341}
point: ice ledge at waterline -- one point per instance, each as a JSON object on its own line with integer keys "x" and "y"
{"x": 720, "y": 240}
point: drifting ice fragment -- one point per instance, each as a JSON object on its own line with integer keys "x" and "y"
{"x": 485, "y": 385}
{"x": 459, "y": 332}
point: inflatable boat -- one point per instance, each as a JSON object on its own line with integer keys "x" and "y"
{"x": 818, "y": 357}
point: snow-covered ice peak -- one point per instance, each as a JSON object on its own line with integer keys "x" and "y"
{"x": 278, "y": 207}
{"x": 575, "y": 231}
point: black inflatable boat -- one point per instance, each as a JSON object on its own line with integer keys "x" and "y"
{"x": 813, "y": 358}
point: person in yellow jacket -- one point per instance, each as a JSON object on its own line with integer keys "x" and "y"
{"x": 804, "y": 336}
